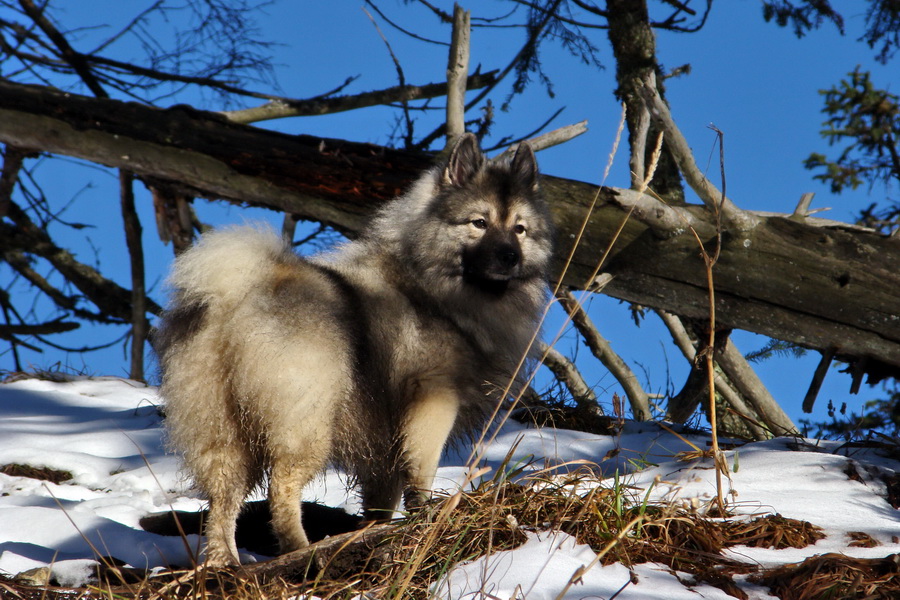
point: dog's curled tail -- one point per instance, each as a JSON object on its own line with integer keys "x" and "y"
{"x": 225, "y": 264}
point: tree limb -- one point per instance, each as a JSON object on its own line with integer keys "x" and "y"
{"x": 457, "y": 68}
{"x": 548, "y": 140}
{"x": 55, "y": 326}
{"x": 681, "y": 408}
{"x": 601, "y": 348}
{"x": 567, "y": 373}
{"x": 20, "y": 263}
{"x": 713, "y": 198}
{"x": 752, "y": 388}
{"x": 285, "y": 107}
{"x": 139, "y": 325}
{"x": 107, "y": 295}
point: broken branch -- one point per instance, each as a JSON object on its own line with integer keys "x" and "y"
{"x": 285, "y": 107}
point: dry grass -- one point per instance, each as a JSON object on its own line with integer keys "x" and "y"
{"x": 835, "y": 576}
{"x": 607, "y": 515}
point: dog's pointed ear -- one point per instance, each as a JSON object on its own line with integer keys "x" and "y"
{"x": 524, "y": 167}
{"x": 465, "y": 161}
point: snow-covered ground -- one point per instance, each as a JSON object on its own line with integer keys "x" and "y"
{"x": 107, "y": 433}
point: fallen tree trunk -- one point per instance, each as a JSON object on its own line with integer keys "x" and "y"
{"x": 821, "y": 285}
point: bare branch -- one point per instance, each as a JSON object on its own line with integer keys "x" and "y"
{"x": 818, "y": 377}
{"x": 665, "y": 221}
{"x": 20, "y": 263}
{"x": 55, "y": 326}
{"x": 75, "y": 59}
{"x": 639, "y": 147}
{"x": 457, "y": 71}
{"x": 288, "y": 228}
{"x": 601, "y": 348}
{"x": 109, "y": 297}
{"x": 401, "y": 77}
{"x": 802, "y": 210}
{"x": 567, "y": 373}
{"x": 750, "y": 386}
{"x": 549, "y": 139}
{"x": 284, "y": 107}
{"x": 139, "y": 326}
{"x": 681, "y": 408}
{"x": 534, "y": 34}
{"x": 681, "y": 151}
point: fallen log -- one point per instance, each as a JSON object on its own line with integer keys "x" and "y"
{"x": 822, "y": 285}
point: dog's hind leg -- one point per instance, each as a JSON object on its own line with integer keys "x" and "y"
{"x": 287, "y": 481}
{"x": 297, "y": 454}
{"x": 203, "y": 421}
{"x": 227, "y": 482}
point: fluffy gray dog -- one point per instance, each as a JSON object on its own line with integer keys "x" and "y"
{"x": 367, "y": 358}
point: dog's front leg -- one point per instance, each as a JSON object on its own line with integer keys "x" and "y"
{"x": 428, "y": 424}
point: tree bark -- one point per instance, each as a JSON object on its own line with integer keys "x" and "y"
{"x": 634, "y": 47}
{"x": 819, "y": 284}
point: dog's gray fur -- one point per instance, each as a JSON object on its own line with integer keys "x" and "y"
{"x": 368, "y": 358}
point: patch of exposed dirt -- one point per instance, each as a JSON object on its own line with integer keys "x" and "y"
{"x": 42, "y": 473}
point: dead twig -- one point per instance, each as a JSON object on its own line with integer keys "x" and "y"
{"x": 549, "y": 139}
{"x": 601, "y": 348}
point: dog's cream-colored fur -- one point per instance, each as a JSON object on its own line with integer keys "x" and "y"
{"x": 369, "y": 358}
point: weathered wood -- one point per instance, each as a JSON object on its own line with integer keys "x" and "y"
{"x": 358, "y": 551}
{"x": 333, "y": 181}
{"x": 820, "y": 287}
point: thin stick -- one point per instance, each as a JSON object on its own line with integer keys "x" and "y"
{"x": 601, "y": 348}
{"x": 139, "y": 325}
{"x": 816, "y": 383}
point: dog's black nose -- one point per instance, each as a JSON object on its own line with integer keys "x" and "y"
{"x": 507, "y": 257}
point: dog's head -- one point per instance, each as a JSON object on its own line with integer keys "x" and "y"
{"x": 494, "y": 217}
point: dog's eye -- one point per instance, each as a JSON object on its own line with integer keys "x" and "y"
{"x": 519, "y": 229}
{"x": 479, "y": 223}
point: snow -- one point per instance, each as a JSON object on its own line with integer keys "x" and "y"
{"x": 107, "y": 433}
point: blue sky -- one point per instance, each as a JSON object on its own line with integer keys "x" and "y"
{"x": 754, "y": 81}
